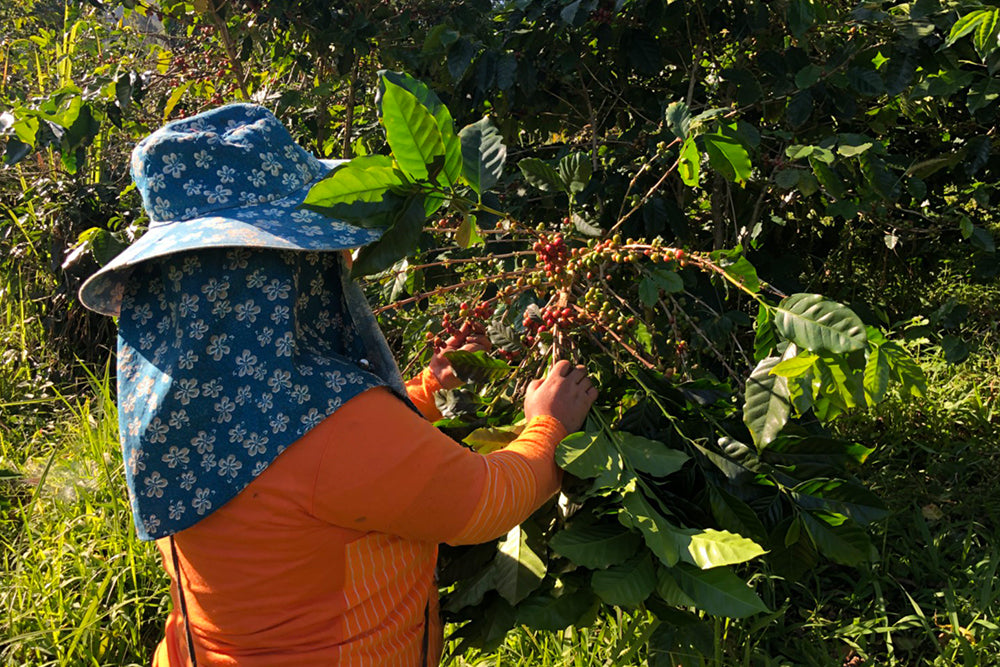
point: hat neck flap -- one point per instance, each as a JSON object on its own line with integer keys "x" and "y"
{"x": 225, "y": 358}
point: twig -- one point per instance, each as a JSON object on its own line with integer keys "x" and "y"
{"x": 227, "y": 42}
{"x": 450, "y": 288}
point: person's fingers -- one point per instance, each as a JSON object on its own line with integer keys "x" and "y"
{"x": 591, "y": 393}
{"x": 535, "y": 384}
{"x": 561, "y": 368}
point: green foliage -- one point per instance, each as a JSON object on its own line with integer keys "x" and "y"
{"x": 751, "y": 157}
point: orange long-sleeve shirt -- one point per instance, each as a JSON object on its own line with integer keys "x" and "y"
{"x": 327, "y": 558}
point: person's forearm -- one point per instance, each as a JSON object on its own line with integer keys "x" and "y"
{"x": 519, "y": 479}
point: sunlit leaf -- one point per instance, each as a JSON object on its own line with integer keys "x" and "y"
{"x": 767, "y": 406}
{"x": 519, "y": 569}
{"x": 816, "y": 323}
{"x": 411, "y": 131}
{"x": 585, "y": 454}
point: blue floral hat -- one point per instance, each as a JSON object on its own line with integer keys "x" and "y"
{"x": 228, "y": 177}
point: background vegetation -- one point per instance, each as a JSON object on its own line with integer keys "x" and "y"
{"x": 837, "y": 148}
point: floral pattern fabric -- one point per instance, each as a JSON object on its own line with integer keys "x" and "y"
{"x": 225, "y": 358}
{"x": 228, "y": 177}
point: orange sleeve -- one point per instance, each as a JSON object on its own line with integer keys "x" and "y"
{"x": 421, "y": 391}
{"x": 385, "y": 469}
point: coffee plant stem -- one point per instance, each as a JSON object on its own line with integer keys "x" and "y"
{"x": 646, "y": 165}
{"x": 628, "y": 348}
{"x": 227, "y": 42}
{"x": 644, "y": 199}
{"x": 464, "y": 260}
{"x": 708, "y": 341}
{"x": 451, "y": 288}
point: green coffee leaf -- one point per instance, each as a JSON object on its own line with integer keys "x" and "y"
{"x": 651, "y": 456}
{"x": 661, "y": 536}
{"x": 541, "y": 175}
{"x": 585, "y": 454}
{"x": 545, "y": 612}
{"x": 400, "y": 239}
{"x": 518, "y": 568}
{"x": 727, "y": 155}
{"x": 717, "y": 591}
{"x": 837, "y": 538}
{"x": 412, "y": 133}
{"x": 477, "y": 367}
{"x": 678, "y": 117}
{"x": 767, "y": 406}
{"x": 765, "y": 337}
{"x": 816, "y": 323}
{"x": 796, "y": 366}
{"x": 430, "y": 100}
{"x": 486, "y": 440}
{"x": 689, "y": 163}
{"x": 713, "y": 548}
{"x": 628, "y": 584}
{"x": 483, "y": 155}
{"x": 840, "y": 496}
{"x": 365, "y": 179}
{"x": 596, "y": 545}
{"x": 575, "y": 171}
{"x": 877, "y": 373}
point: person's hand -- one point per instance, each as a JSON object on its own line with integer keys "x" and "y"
{"x": 466, "y": 339}
{"x": 566, "y": 393}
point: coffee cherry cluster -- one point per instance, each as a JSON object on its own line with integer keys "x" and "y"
{"x": 595, "y": 260}
{"x": 479, "y": 313}
{"x": 549, "y": 317}
{"x": 601, "y": 312}
{"x": 552, "y": 254}
{"x": 471, "y": 322}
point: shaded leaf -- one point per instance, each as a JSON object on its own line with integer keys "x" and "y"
{"x": 575, "y": 171}
{"x": 678, "y": 117}
{"x": 477, "y": 367}
{"x": 651, "y": 456}
{"x": 837, "y": 538}
{"x": 660, "y": 535}
{"x": 401, "y": 238}
{"x": 483, "y": 155}
{"x": 717, "y": 591}
{"x": 840, "y": 496}
{"x": 545, "y": 612}
{"x": 541, "y": 175}
{"x": 628, "y": 584}
{"x": 596, "y": 545}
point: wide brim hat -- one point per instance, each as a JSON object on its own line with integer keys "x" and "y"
{"x": 228, "y": 177}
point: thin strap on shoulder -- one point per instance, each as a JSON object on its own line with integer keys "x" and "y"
{"x": 424, "y": 652}
{"x": 184, "y": 611}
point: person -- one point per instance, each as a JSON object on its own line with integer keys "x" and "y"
{"x": 294, "y": 484}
